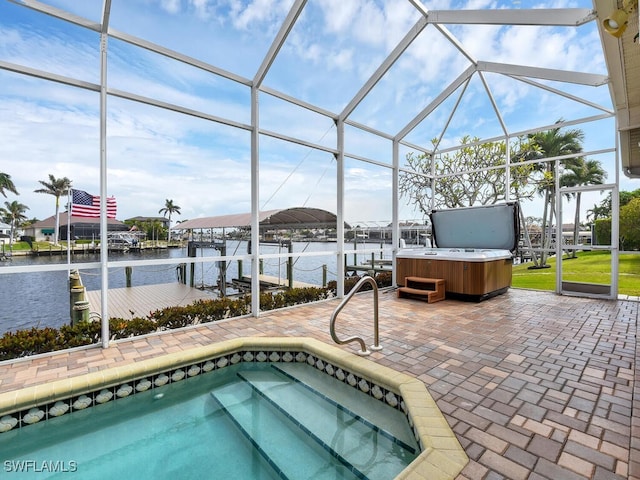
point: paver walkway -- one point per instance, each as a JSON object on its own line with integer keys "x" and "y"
{"x": 535, "y": 385}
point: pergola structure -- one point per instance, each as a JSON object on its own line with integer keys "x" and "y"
{"x": 443, "y": 24}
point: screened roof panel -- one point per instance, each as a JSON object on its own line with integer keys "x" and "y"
{"x": 48, "y": 44}
{"x": 388, "y": 66}
{"x": 90, "y": 9}
{"x": 335, "y": 46}
{"x": 151, "y": 75}
{"x": 232, "y": 36}
{"x": 412, "y": 82}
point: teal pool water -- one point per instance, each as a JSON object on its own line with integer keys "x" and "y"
{"x": 247, "y": 421}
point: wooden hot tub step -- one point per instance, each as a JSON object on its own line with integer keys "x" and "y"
{"x": 429, "y": 289}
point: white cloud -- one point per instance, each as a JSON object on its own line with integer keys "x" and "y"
{"x": 170, "y": 6}
{"x": 257, "y": 13}
{"x": 204, "y": 167}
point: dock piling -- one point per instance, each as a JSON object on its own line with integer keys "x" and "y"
{"x": 77, "y": 298}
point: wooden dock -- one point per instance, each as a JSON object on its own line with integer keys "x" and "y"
{"x": 132, "y": 302}
{"x": 268, "y": 282}
{"x": 139, "y": 301}
{"x": 373, "y": 265}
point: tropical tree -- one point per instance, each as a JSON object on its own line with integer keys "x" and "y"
{"x": 169, "y": 208}
{"x": 14, "y": 214}
{"x": 57, "y": 187}
{"x": 582, "y": 172}
{"x": 597, "y": 212}
{"x": 551, "y": 144}
{"x": 7, "y": 184}
{"x": 475, "y": 174}
{"x": 626, "y": 197}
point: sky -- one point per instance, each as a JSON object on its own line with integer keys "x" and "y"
{"x": 203, "y": 166}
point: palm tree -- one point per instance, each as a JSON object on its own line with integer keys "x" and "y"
{"x": 549, "y": 144}
{"x": 7, "y": 184}
{"x": 582, "y": 172}
{"x": 169, "y": 208}
{"x": 597, "y": 212}
{"x": 13, "y": 214}
{"x": 57, "y": 187}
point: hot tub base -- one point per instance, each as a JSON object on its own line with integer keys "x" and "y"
{"x": 473, "y": 253}
{"x": 464, "y": 279}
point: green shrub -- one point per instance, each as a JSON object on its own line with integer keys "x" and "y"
{"x": 82, "y": 333}
{"x": 122, "y": 328}
{"x": 603, "y": 231}
{"x": 173, "y": 317}
{"x": 32, "y": 341}
{"x": 383, "y": 279}
{"x": 240, "y": 306}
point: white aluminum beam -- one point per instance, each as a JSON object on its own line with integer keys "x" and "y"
{"x": 455, "y": 42}
{"x": 300, "y": 103}
{"x": 33, "y": 72}
{"x": 453, "y": 111}
{"x": 493, "y": 103}
{"x": 569, "y": 17}
{"x": 298, "y": 141}
{"x": 340, "y": 187}
{"x": 368, "y": 129}
{"x": 420, "y": 148}
{"x": 452, "y": 87}
{"x": 176, "y": 108}
{"x": 382, "y": 69}
{"x": 563, "y": 94}
{"x": 395, "y": 210}
{"x": 152, "y": 47}
{"x": 594, "y": 118}
{"x": 367, "y": 160}
{"x": 443, "y": 30}
{"x": 104, "y": 229}
{"x": 57, "y": 13}
{"x": 590, "y": 79}
{"x": 255, "y": 203}
{"x": 285, "y": 28}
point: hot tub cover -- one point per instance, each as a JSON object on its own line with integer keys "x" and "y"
{"x": 487, "y": 227}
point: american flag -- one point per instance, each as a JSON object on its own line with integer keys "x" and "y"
{"x": 84, "y": 204}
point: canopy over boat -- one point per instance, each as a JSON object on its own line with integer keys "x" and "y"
{"x": 297, "y": 217}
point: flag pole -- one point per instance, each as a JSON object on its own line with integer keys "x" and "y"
{"x": 69, "y": 196}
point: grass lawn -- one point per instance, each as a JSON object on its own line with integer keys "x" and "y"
{"x": 590, "y": 267}
{"x": 25, "y": 247}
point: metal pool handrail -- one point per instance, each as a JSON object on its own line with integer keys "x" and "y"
{"x": 354, "y": 290}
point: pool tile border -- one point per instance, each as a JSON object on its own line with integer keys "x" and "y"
{"x": 441, "y": 457}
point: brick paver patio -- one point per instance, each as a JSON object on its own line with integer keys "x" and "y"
{"x": 535, "y": 385}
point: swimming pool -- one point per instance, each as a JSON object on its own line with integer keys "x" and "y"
{"x": 247, "y": 421}
{"x": 163, "y": 385}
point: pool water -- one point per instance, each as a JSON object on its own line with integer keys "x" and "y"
{"x": 248, "y": 421}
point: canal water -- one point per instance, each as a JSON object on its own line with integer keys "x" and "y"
{"x": 42, "y": 299}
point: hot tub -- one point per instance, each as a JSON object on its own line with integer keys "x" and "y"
{"x": 473, "y": 252}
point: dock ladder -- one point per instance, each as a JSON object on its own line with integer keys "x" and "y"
{"x": 376, "y": 345}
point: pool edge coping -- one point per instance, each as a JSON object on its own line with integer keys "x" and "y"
{"x": 442, "y": 457}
